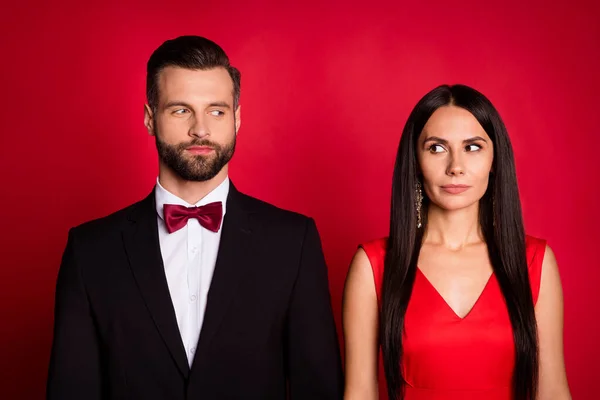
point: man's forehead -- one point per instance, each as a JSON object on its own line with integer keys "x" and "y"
{"x": 217, "y": 76}
{"x": 214, "y": 82}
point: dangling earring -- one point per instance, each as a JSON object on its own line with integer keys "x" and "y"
{"x": 419, "y": 203}
{"x": 494, "y": 210}
{"x": 493, "y": 201}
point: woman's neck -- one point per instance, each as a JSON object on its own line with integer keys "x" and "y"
{"x": 453, "y": 229}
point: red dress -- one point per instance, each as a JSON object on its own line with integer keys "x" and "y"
{"x": 448, "y": 357}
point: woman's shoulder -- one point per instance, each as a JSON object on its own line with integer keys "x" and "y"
{"x": 535, "y": 248}
{"x": 375, "y": 251}
{"x": 375, "y": 248}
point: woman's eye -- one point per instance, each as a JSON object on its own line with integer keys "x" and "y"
{"x": 473, "y": 147}
{"x": 436, "y": 148}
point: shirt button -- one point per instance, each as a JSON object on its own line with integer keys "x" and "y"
{"x": 193, "y": 297}
{"x": 194, "y": 249}
{"x": 193, "y": 350}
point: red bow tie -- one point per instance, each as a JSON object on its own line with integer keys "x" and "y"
{"x": 209, "y": 216}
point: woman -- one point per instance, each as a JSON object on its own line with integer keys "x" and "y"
{"x": 462, "y": 304}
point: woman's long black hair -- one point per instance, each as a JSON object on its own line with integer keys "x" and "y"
{"x": 502, "y": 226}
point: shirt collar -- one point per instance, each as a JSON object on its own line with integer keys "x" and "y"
{"x": 163, "y": 196}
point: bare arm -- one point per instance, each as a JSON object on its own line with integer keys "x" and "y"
{"x": 360, "y": 323}
{"x": 549, "y": 315}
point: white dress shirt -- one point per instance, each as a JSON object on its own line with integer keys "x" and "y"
{"x": 189, "y": 256}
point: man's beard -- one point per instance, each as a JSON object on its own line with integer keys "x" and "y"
{"x": 198, "y": 168}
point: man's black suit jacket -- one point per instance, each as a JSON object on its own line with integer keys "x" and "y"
{"x": 268, "y": 331}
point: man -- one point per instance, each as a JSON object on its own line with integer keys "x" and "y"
{"x": 197, "y": 291}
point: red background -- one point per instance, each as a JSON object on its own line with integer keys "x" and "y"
{"x": 326, "y": 90}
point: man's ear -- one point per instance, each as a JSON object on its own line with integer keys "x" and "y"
{"x": 149, "y": 119}
{"x": 238, "y": 120}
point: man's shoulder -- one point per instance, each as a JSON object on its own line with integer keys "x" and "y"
{"x": 110, "y": 224}
{"x": 273, "y": 215}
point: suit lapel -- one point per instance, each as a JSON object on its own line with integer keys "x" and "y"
{"x": 234, "y": 251}
{"x": 143, "y": 250}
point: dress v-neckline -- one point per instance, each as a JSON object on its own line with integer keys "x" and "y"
{"x": 454, "y": 313}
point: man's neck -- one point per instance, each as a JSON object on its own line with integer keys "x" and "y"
{"x": 190, "y": 191}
